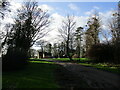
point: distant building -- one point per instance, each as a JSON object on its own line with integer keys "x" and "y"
{"x": 34, "y": 53}
{"x": 37, "y": 54}
{"x": 45, "y": 55}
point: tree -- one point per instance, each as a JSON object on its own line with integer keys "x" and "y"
{"x": 78, "y": 35}
{"x": 55, "y": 50}
{"x": 30, "y": 26}
{"x": 92, "y": 31}
{"x": 4, "y": 6}
{"x": 48, "y": 47}
{"x": 114, "y": 26}
{"x": 66, "y": 31}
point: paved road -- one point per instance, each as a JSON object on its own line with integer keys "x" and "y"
{"x": 95, "y": 78}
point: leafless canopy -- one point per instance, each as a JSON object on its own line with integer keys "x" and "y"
{"x": 67, "y": 28}
{"x": 31, "y": 24}
{"x": 66, "y": 32}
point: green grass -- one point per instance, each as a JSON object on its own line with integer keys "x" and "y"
{"x": 103, "y": 66}
{"x": 42, "y": 62}
{"x": 60, "y": 59}
{"x": 67, "y": 59}
{"x": 115, "y": 68}
{"x": 36, "y": 75}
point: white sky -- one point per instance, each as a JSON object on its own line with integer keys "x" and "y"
{"x": 57, "y": 17}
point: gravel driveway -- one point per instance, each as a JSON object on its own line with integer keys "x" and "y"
{"x": 94, "y": 78}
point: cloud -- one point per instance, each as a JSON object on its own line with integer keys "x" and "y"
{"x": 10, "y": 15}
{"x": 81, "y": 21}
{"x": 45, "y": 7}
{"x": 14, "y": 6}
{"x": 97, "y": 8}
{"x": 73, "y": 7}
{"x": 90, "y": 12}
{"x": 105, "y": 17}
{"x": 56, "y": 24}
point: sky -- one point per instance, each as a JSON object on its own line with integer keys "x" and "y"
{"x": 81, "y": 10}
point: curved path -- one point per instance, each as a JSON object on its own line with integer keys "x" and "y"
{"x": 95, "y": 78}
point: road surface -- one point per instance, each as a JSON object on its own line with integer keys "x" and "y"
{"x": 95, "y": 78}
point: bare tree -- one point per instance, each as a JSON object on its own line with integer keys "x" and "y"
{"x": 114, "y": 28}
{"x": 30, "y": 26}
{"x": 66, "y": 31}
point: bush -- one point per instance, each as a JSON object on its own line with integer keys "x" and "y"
{"x": 101, "y": 53}
{"x": 117, "y": 54}
{"x": 14, "y": 59}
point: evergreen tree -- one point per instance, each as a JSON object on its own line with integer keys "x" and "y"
{"x": 92, "y": 33}
{"x": 78, "y": 34}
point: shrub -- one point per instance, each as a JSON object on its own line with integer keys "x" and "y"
{"x": 101, "y": 53}
{"x": 117, "y": 54}
{"x": 14, "y": 59}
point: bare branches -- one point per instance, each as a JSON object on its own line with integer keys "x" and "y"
{"x": 66, "y": 32}
{"x": 67, "y": 27}
{"x": 113, "y": 25}
{"x": 30, "y": 25}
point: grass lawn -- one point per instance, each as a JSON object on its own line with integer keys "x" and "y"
{"x": 38, "y": 74}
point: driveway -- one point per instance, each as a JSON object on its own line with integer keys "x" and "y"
{"x": 95, "y": 78}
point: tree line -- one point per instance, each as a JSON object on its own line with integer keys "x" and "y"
{"x": 31, "y": 24}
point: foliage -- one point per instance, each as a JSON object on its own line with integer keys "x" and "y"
{"x": 114, "y": 27}
{"x": 101, "y": 53}
{"x": 30, "y": 25}
{"x": 14, "y": 59}
{"x": 78, "y": 34}
{"x": 93, "y": 31}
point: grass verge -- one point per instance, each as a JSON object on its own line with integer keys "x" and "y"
{"x": 115, "y": 68}
{"x": 104, "y": 66}
{"x": 36, "y": 75}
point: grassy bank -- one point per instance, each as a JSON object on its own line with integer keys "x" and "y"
{"x": 36, "y": 75}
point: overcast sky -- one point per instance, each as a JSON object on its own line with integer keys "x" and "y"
{"x": 81, "y": 11}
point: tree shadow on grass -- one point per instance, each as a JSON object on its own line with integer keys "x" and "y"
{"x": 36, "y": 75}
{"x": 67, "y": 79}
